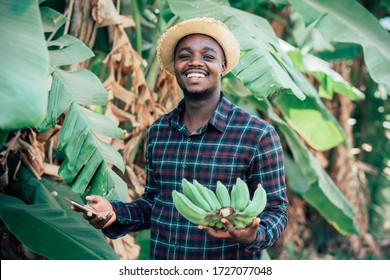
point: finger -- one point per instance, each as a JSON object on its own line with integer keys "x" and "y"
{"x": 229, "y": 226}
{"x": 88, "y": 215}
{"x": 74, "y": 208}
{"x": 216, "y": 233}
{"x": 95, "y": 219}
{"x": 100, "y": 224}
{"x": 93, "y": 198}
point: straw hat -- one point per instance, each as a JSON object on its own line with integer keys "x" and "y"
{"x": 206, "y": 26}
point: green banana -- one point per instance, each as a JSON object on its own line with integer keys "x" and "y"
{"x": 239, "y": 195}
{"x": 238, "y": 224}
{"x": 208, "y": 195}
{"x": 214, "y": 199}
{"x": 239, "y": 221}
{"x": 188, "y": 209}
{"x": 258, "y": 203}
{"x": 222, "y": 194}
{"x": 219, "y": 225}
{"x": 194, "y": 195}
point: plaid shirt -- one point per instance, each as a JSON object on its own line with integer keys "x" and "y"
{"x": 233, "y": 144}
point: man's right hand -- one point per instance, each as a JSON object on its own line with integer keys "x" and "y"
{"x": 106, "y": 215}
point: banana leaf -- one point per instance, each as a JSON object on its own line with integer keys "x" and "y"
{"x": 262, "y": 63}
{"x": 296, "y": 180}
{"x": 323, "y": 131}
{"x": 3, "y": 137}
{"x": 308, "y": 39}
{"x": 72, "y": 53}
{"x": 24, "y": 65}
{"x": 322, "y": 193}
{"x": 348, "y": 21}
{"x": 311, "y": 120}
{"x": 51, "y": 19}
{"x": 85, "y": 152}
{"x": 80, "y": 86}
{"x": 330, "y": 81}
{"x": 37, "y": 214}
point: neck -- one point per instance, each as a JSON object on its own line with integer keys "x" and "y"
{"x": 198, "y": 112}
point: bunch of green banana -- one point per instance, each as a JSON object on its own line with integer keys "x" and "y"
{"x": 202, "y": 206}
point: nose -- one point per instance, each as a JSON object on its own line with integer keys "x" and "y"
{"x": 196, "y": 60}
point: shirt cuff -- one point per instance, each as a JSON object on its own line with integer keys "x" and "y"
{"x": 119, "y": 227}
{"x": 256, "y": 244}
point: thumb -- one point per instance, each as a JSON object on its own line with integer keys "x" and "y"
{"x": 255, "y": 223}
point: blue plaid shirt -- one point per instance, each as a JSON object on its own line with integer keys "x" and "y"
{"x": 233, "y": 144}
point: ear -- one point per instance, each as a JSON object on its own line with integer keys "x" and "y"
{"x": 223, "y": 67}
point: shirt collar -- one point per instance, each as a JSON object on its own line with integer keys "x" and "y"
{"x": 218, "y": 119}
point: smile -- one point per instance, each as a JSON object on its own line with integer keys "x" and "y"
{"x": 195, "y": 75}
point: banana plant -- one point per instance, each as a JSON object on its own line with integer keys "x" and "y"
{"x": 86, "y": 156}
{"x": 39, "y": 90}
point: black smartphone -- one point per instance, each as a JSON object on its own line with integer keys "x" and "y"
{"x": 82, "y": 207}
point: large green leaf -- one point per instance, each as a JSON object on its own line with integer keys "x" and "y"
{"x": 323, "y": 132}
{"x": 296, "y": 180}
{"x": 322, "y": 194}
{"x": 330, "y": 81}
{"x": 24, "y": 65}
{"x": 72, "y": 53}
{"x": 82, "y": 87}
{"x": 313, "y": 122}
{"x": 308, "y": 39}
{"x": 262, "y": 65}
{"x": 43, "y": 221}
{"x": 349, "y": 21}
{"x": 87, "y": 152}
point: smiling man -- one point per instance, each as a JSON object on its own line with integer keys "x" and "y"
{"x": 209, "y": 139}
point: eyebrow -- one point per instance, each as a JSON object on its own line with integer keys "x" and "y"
{"x": 205, "y": 49}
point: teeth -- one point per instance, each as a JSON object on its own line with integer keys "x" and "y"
{"x": 195, "y": 75}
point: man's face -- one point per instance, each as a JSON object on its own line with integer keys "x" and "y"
{"x": 199, "y": 64}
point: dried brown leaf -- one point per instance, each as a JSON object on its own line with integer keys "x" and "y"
{"x": 104, "y": 13}
{"x": 125, "y": 247}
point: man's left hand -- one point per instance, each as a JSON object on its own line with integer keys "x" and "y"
{"x": 244, "y": 236}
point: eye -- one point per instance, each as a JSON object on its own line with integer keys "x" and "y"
{"x": 184, "y": 56}
{"x": 208, "y": 56}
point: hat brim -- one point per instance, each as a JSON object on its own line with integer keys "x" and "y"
{"x": 206, "y": 26}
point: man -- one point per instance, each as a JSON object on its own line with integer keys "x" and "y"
{"x": 206, "y": 138}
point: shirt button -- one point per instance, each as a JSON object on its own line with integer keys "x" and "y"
{"x": 188, "y": 139}
{"x": 184, "y": 166}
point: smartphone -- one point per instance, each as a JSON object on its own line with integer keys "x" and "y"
{"x": 82, "y": 207}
